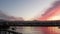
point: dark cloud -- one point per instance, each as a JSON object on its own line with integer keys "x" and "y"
{"x": 2, "y": 15}
{"x": 6, "y": 17}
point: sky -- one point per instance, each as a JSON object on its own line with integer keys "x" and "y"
{"x": 24, "y": 8}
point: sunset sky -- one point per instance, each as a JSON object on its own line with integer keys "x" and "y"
{"x": 30, "y": 9}
{"x": 24, "y": 8}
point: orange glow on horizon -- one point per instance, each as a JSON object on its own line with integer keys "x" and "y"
{"x": 52, "y": 13}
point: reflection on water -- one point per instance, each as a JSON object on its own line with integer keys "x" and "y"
{"x": 34, "y": 30}
{"x": 38, "y": 30}
{"x": 29, "y": 30}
